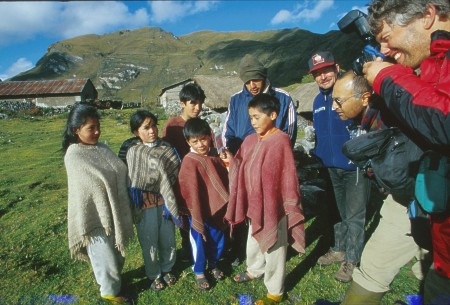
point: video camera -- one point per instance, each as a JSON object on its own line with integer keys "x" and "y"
{"x": 355, "y": 21}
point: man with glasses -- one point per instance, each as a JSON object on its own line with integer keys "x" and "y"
{"x": 351, "y": 188}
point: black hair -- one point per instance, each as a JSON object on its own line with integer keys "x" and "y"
{"x": 78, "y": 115}
{"x": 139, "y": 117}
{"x": 196, "y": 127}
{"x": 265, "y": 103}
{"x": 192, "y": 92}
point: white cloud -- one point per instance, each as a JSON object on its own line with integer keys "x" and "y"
{"x": 170, "y": 11}
{"x": 303, "y": 13}
{"x": 21, "y": 65}
{"x": 22, "y": 21}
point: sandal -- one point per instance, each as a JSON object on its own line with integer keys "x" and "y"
{"x": 157, "y": 285}
{"x": 217, "y": 273}
{"x": 243, "y": 277}
{"x": 202, "y": 282}
{"x": 169, "y": 278}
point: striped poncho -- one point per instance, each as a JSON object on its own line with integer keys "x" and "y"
{"x": 155, "y": 170}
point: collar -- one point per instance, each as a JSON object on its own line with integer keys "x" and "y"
{"x": 156, "y": 143}
{"x": 193, "y": 151}
{"x": 269, "y": 133}
{"x": 440, "y": 41}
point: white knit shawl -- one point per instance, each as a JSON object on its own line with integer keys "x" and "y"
{"x": 98, "y": 197}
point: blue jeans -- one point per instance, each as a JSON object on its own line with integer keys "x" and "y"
{"x": 351, "y": 190}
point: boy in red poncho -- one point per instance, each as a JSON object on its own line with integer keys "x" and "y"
{"x": 203, "y": 186}
{"x": 264, "y": 190}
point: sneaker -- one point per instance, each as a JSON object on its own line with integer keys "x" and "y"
{"x": 331, "y": 257}
{"x": 114, "y": 299}
{"x": 344, "y": 274}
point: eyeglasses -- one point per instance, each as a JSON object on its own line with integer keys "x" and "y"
{"x": 340, "y": 101}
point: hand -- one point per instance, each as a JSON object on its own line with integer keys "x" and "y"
{"x": 226, "y": 156}
{"x": 372, "y": 68}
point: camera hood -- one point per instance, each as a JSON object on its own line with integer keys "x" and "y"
{"x": 355, "y": 21}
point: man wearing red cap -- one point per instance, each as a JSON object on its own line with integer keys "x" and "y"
{"x": 351, "y": 188}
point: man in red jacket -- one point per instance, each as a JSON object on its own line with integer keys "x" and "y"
{"x": 415, "y": 34}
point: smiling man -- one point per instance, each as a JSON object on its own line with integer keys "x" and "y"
{"x": 351, "y": 188}
{"x": 416, "y": 90}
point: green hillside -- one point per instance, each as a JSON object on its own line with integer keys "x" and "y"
{"x": 136, "y": 65}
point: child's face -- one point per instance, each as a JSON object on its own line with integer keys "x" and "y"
{"x": 89, "y": 132}
{"x": 260, "y": 121}
{"x": 148, "y": 131}
{"x": 191, "y": 109}
{"x": 200, "y": 144}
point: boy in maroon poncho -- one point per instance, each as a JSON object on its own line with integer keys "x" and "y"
{"x": 203, "y": 186}
{"x": 264, "y": 190}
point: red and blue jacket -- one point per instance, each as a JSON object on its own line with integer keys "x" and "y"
{"x": 423, "y": 103}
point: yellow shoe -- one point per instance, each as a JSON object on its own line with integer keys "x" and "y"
{"x": 115, "y": 299}
{"x": 270, "y": 299}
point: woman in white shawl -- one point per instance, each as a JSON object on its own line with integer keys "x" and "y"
{"x": 99, "y": 216}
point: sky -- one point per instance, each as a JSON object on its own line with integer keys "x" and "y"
{"x": 28, "y": 28}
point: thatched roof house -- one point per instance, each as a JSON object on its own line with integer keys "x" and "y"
{"x": 218, "y": 89}
{"x": 303, "y": 96}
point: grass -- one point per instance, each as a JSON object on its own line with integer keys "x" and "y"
{"x": 34, "y": 257}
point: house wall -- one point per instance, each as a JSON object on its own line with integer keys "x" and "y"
{"x": 57, "y": 101}
{"x": 170, "y": 100}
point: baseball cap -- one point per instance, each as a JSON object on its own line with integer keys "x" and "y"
{"x": 320, "y": 60}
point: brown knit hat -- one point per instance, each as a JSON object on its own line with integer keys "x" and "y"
{"x": 251, "y": 68}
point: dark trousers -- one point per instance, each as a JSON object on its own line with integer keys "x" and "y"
{"x": 351, "y": 190}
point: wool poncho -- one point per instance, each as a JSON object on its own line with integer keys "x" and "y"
{"x": 203, "y": 186}
{"x": 264, "y": 187}
{"x": 153, "y": 169}
{"x": 98, "y": 202}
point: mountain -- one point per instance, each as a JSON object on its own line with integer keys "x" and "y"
{"x": 136, "y": 65}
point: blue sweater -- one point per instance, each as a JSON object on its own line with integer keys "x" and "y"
{"x": 331, "y": 133}
{"x": 237, "y": 123}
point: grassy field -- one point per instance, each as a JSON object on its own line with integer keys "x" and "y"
{"x": 35, "y": 266}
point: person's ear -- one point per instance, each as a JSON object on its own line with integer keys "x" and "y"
{"x": 429, "y": 16}
{"x": 337, "y": 68}
{"x": 182, "y": 104}
{"x": 136, "y": 133}
{"x": 365, "y": 97}
{"x": 273, "y": 115}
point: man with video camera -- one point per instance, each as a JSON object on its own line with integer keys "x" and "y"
{"x": 415, "y": 34}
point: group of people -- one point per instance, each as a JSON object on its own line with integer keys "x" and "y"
{"x": 243, "y": 199}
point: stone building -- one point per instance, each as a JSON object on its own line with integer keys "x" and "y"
{"x": 49, "y": 93}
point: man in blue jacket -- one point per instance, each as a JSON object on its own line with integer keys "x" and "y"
{"x": 237, "y": 124}
{"x": 351, "y": 188}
